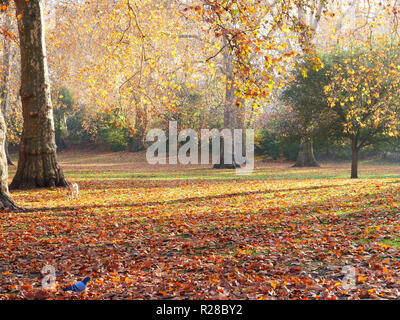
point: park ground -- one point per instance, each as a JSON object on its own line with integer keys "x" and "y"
{"x": 190, "y": 232}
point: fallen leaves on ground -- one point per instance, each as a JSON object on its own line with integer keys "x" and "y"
{"x": 157, "y": 238}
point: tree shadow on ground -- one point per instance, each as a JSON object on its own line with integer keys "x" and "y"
{"x": 188, "y": 200}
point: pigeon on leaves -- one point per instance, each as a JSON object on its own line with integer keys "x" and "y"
{"x": 79, "y": 286}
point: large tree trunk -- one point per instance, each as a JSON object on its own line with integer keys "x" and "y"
{"x": 5, "y": 81}
{"x": 354, "y": 159}
{"x": 6, "y": 203}
{"x": 231, "y": 112}
{"x": 306, "y": 157}
{"x": 37, "y": 164}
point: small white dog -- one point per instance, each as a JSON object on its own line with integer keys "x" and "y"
{"x": 73, "y": 191}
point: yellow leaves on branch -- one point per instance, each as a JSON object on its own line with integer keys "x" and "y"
{"x": 366, "y": 89}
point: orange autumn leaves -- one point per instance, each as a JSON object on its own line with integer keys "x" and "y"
{"x": 264, "y": 40}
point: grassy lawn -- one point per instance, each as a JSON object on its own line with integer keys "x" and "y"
{"x": 162, "y": 232}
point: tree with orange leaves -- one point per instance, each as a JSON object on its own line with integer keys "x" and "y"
{"x": 259, "y": 41}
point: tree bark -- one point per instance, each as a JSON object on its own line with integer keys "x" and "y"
{"x": 37, "y": 164}
{"x": 231, "y": 111}
{"x": 5, "y": 82}
{"x": 354, "y": 159}
{"x": 306, "y": 156}
{"x": 6, "y": 203}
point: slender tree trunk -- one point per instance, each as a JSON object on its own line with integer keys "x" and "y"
{"x": 37, "y": 164}
{"x": 140, "y": 129}
{"x": 354, "y": 159}
{"x": 230, "y": 112}
{"x": 5, "y": 82}
{"x": 306, "y": 156}
{"x": 6, "y": 203}
{"x": 62, "y": 132}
